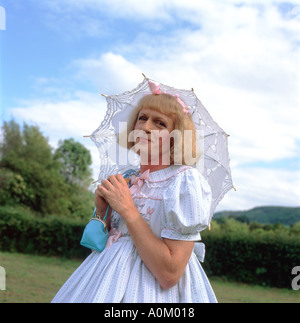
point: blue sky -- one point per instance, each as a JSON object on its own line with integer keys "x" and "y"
{"x": 241, "y": 57}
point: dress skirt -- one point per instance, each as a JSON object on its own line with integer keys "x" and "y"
{"x": 118, "y": 275}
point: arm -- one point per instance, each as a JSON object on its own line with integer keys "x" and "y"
{"x": 165, "y": 258}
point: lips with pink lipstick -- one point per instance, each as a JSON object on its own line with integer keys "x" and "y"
{"x": 144, "y": 140}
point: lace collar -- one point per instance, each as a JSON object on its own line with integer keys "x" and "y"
{"x": 166, "y": 173}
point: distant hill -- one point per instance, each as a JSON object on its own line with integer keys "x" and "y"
{"x": 265, "y": 214}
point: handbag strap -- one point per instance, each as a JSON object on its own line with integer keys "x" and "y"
{"x": 94, "y": 215}
{"x": 106, "y": 213}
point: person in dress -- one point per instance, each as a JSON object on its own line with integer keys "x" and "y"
{"x": 155, "y": 222}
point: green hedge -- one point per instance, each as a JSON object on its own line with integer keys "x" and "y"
{"x": 265, "y": 258}
{"x": 20, "y": 231}
{"x": 254, "y": 260}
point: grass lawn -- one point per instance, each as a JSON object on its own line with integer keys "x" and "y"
{"x": 36, "y": 279}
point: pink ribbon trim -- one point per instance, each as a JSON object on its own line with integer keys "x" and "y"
{"x": 138, "y": 181}
{"x": 113, "y": 236}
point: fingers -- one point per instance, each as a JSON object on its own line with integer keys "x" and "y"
{"x": 115, "y": 180}
{"x": 121, "y": 179}
{"x": 110, "y": 183}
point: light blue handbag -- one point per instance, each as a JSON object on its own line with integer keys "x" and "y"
{"x": 95, "y": 233}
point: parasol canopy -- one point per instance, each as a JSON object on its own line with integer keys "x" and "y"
{"x": 214, "y": 146}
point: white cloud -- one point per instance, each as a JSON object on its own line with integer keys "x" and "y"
{"x": 261, "y": 186}
{"x": 111, "y": 73}
{"x": 62, "y": 119}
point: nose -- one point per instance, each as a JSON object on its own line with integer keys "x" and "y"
{"x": 147, "y": 126}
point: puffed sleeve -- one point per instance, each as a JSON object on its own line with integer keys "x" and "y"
{"x": 186, "y": 207}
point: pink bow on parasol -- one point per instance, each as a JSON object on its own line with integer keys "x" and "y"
{"x": 154, "y": 87}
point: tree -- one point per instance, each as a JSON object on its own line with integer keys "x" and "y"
{"x": 45, "y": 182}
{"x": 31, "y": 175}
{"x": 11, "y": 144}
{"x": 75, "y": 162}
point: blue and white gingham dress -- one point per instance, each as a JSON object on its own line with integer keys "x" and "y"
{"x": 175, "y": 202}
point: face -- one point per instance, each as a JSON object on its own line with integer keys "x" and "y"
{"x": 149, "y": 119}
{"x": 155, "y": 128}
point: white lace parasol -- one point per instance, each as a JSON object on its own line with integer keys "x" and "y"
{"x": 114, "y": 159}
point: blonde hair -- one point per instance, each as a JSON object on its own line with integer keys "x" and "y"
{"x": 168, "y": 105}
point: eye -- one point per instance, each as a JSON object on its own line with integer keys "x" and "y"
{"x": 142, "y": 118}
{"x": 162, "y": 124}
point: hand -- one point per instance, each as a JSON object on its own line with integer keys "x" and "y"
{"x": 116, "y": 192}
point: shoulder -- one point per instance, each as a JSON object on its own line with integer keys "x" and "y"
{"x": 186, "y": 205}
{"x": 189, "y": 179}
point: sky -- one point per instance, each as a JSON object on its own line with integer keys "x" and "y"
{"x": 242, "y": 58}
